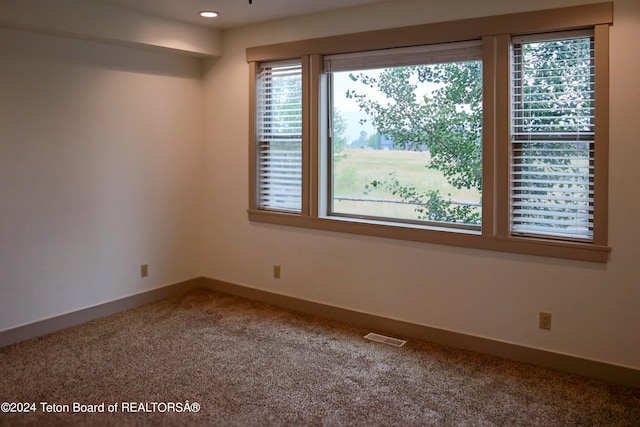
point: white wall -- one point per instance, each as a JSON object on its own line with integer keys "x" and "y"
{"x": 100, "y": 171}
{"x": 106, "y": 22}
{"x": 482, "y": 293}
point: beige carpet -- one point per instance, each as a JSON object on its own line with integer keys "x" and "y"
{"x": 249, "y": 364}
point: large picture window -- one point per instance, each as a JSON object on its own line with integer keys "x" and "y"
{"x": 406, "y": 134}
{"x": 490, "y": 133}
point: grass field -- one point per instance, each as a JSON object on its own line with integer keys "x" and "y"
{"x": 359, "y": 167}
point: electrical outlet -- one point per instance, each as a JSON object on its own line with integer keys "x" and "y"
{"x": 545, "y": 320}
{"x": 276, "y": 271}
{"x": 144, "y": 270}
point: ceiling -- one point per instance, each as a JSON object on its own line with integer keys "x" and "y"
{"x": 234, "y": 13}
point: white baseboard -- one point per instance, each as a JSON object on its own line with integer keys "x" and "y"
{"x": 561, "y": 362}
{"x": 36, "y": 329}
{"x": 548, "y": 359}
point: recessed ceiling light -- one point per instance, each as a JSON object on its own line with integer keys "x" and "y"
{"x": 208, "y": 14}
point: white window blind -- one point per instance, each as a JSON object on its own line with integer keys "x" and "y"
{"x": 408, "y": 56}
{"x": 279, "y": 136}
{"x": 553, "y": 137}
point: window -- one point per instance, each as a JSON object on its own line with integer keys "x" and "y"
{"x": 490, "y": 133}
{"x": 406, "y": 134}
{"x": 279, "y": 136}
{"x": 553, "y": 136}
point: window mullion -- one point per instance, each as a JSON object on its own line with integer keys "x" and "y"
{"x": 503, "y": 124}
{"x": 306, "y": 132}
{"x": 312, "y": 107}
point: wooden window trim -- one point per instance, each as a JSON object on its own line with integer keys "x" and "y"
{"x": 566, "y": 18}
{"x": 601, "y": 184}
{"x": 495, "y": 32}
{"x": 521, "y": 245}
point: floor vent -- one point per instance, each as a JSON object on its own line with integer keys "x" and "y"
{"x": 385, "y": 340}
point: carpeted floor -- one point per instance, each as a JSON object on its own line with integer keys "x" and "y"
{"x": 241, "y": 363}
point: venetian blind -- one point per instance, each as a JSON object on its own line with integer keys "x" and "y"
{"x": 407, "y": 56}
{"x": 279, "y": 136}
{"x": 553, "y": 136}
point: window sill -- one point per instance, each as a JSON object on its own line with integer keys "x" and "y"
{"x": 461, "y": 238}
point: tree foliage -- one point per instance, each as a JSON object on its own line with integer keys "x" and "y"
{"x": 447, "y": 122}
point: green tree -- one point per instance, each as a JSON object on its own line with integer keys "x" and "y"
{"x": 339, "y": 135}
{"x": 447, "y": 121}
{"x": 339, "y": 131}
{"x": 362, "y": 140}
{"x": 374, "y": 141}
